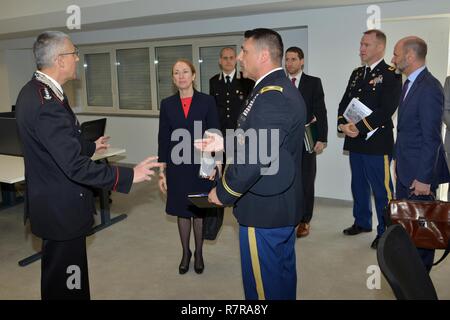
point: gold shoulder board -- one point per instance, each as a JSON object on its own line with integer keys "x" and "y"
{"x": 271, "y": 88}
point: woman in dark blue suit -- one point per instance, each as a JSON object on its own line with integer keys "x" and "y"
{"x": 180, "y": 111}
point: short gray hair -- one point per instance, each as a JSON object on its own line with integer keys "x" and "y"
{"x": 46, "y": 48}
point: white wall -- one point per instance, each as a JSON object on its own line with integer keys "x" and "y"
{"x": 5, "y": 100}
{"x": 20, "y": 69}
{"x": 333, "y": 42}
{"x": 434, "y": 31}
{"x": 23, "y": 8}
{"x": 296, "y": 37}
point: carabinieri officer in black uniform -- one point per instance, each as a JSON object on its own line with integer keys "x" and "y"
{"x": 266, "y": 203}
{"x": 230, "y": 89}
{"x": 378, "y": 87}
{"x": 59, "y": 171}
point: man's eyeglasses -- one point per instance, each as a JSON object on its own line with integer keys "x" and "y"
{"x": 76, "y": 52}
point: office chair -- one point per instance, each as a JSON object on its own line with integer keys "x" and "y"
{"x": 402, "y": 267}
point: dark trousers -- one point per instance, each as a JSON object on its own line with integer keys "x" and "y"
{"x": 427, "y": 255}
{"x": 64, "y": 270}
{"x": 268, "y": 263}
{"x": 309, "y": 169}
{"x": 370, "y": 173}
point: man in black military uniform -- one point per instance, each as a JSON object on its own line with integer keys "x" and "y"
{"x": 316, "y": 115}
{"x": 370, "y": 141}
{"x": 230, "y": 89}
{"x": 59, "y": 172}
{"x": 266, "y": 206}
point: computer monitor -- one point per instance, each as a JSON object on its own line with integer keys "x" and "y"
{"x": 10, "y": 143}
{"x": 92, "y": 130}
{"x": 7, "y": 114}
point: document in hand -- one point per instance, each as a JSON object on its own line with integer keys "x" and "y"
{"x": 207, "y": 165}
{"x": 356, "y": 111}
{"x": 200, "y": 200}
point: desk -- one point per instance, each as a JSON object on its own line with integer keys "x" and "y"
{"x": 12, "y": 170}
{"x": 105, "y": 215}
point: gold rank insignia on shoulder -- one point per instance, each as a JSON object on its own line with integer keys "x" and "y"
{"x": 391, "y": 68}
{"x": 271, "y": 88}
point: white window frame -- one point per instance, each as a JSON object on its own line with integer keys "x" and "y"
{"x": 196, "y": 44}
{"x": 97, "y": 109}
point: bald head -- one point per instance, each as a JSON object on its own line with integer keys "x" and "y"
{"x": 416, "y": 45}
{"x": 410, "y": 54}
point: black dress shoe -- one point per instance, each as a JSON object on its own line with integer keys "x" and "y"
{"x": 199, "y": 266}
{"x": 184, "y": 265}
{"x": 354, "y": 229}
{"x": 374, "y": 244}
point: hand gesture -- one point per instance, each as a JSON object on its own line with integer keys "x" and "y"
{"x": 102, "y": 143}
{"x": 142, "y": 170}
{"x": 212, "y": 143}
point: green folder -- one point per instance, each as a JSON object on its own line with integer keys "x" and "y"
{"x": 310, "y": 136}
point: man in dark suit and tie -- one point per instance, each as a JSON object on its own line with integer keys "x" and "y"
{"x": 311, "y": 90}
{"x": 419, "y": 152}
{"x": 59, "y": 172}
{"x": 376, "y": 85}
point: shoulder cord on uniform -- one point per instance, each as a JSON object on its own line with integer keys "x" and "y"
{"x": 43, "y": 79}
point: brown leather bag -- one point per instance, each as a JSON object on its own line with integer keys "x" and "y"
{"x": 427, "y": 222}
